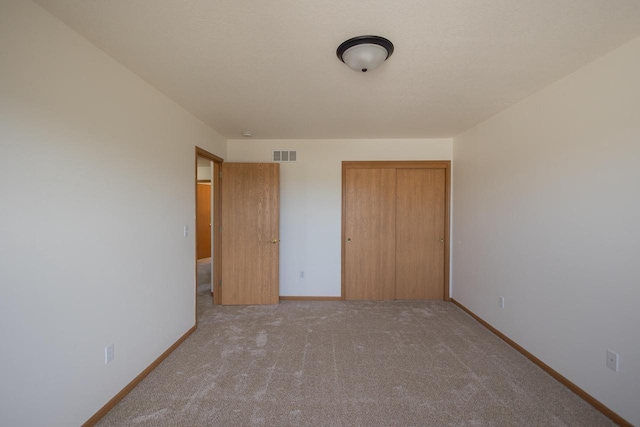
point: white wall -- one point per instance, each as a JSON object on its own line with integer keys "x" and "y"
{"x": 91, "y": 245}
{"x": 204, "y": 173}
{"x": 546, "y": 212}
{"x": 311, "y": 200}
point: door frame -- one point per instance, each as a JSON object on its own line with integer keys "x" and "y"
{"x": 390, "y": 164}
{"x": 216, "y": 244}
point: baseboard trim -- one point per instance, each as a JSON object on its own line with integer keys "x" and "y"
{"x": 561, "y": 379}
{"x": 310, "y": 298}
{"x": 118, "y": 397}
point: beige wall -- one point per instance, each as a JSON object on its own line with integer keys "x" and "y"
{"x": 204, "y": 173}
{"x": 546, "y": 211}
{"x": 311, "y": 200}
{"x": 96, "y": 184}
{"x": 92, "y": 252}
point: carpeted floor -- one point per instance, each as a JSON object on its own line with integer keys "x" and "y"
{"x": 347, "y": 364}
{"x": 203, "y": 272}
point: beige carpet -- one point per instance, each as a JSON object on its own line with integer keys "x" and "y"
{"x": 347, "y": 364}
{"x": 203, "y": 275}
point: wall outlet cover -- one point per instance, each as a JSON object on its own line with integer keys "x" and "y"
{"x": 612, "y": 360}
{"x": 109, "y": 353}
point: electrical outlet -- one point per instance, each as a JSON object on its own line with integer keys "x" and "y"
{"x": 109, "y": 353}
{"x": 612, "y": 360}
{"x": 501, "y": 302}
{"x": 185, "y": 231}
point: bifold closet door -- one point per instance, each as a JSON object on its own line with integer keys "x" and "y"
{"x": 370, "y": 227}
{"x": 420, "y": 234}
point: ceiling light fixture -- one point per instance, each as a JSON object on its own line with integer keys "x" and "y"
{"x": 365, "y": 53}
{"x": 247, "y": 134}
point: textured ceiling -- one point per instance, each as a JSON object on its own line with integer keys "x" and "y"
{"x": 270, "y": 66}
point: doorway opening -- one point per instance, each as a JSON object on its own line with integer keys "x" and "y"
{"x": 207, "y": 230}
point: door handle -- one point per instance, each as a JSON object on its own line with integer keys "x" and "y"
{"x": 441, "y": 240}
{"x": 348, "y": 239}
{"x": 274, "y": 241}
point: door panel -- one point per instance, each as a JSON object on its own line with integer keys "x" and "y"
{"x": 420, "y": 233}
{"x": 203, "y": 221}
{"x": 250, "y": 233}
{"x": 370, "y": 234}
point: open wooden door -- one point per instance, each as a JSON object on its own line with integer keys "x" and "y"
{"x": 250, "y": 233}
{"x": 203, "y": 220}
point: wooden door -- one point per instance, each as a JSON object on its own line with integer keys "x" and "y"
{"x": 370, "y": 234}
{"x": 203, "y": 221}
{"x": 420, "y": 234}
{"x": 250, "y": 233}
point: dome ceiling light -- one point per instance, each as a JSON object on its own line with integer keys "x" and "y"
{"x": 365, "y": 53}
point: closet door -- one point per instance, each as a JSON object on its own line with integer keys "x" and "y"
{"x": 420, "y": 234}
{"x": 370, "y": 240}
{"x": 395, "y": 230}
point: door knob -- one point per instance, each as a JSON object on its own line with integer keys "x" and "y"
{"x": 274, "y": 241}
{"x": 441, "y": 240}
{"x": 348, "y": 239}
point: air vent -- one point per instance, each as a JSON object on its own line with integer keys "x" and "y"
{"x": 284, "y": 156}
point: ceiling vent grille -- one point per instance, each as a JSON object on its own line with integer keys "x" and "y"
{"x": 284, "y": 156}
